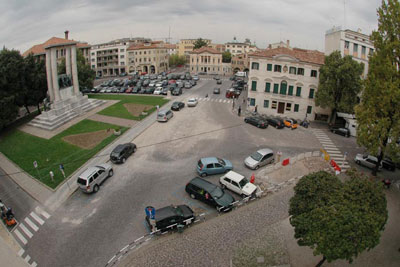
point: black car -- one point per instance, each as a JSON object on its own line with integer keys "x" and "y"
{"x": 176, "y": 106}
{"x": 122, "y": 152}
{"x": 210, "y": 194}
{"x": 388, "y": 164}
{"x": 136, "y": 90}
{"x": 341, "y": 131}
{"x": 149, "y": 90}
{"x": 216, "y": 91}
{"x": 275, "y": 122}
{"x": 219, "y": 82}
{"x": 176, "y": 91}
{"x": 170, "y": 217}
{"x": 256, "y": 121}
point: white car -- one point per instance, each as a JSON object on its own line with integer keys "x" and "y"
{"x": 195, "y": 77}
{"x": 152, "y": 84}
{"x": 238, "y": 184}
{"x": 158, "y": 84}
{"x": 158, "y": 91}
{"x": 192, "y": 102}
{"x": 259, "y": 158}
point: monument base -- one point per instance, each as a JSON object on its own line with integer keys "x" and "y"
{"x": 63, "y": 111}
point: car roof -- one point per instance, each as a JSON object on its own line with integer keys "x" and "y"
{"x": 265, "y": 151}
{"x": 203, "y": 183}
{"x": 234, "y": 176}
{"x": 209, "y": 160}
{"x": 88, "y": 172}
{"x": 120, "y": 147}
{"x": 192, "y": 99}
{"x": 165, "y": 212}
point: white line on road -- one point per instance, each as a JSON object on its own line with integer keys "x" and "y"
{"x": 220, "y": 100}
{"x": 25, "y": 230}
{"x": 44, "y": 213}
{"x": 27, "y": 258}
{"x": 21, "y": 252}
{"x": 34, "y": 264}
{"x": 138, "y": 239}
{"x": 124, "y": 248}
{"x": 37, "y": 218}
{"x": 31, "y": 224}
{"x": 111, "y": 259}
{"x": 20, "y": 236}
{"x": 224, "y": 100}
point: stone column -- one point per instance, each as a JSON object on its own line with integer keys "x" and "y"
{"x": 49, "y": 76}
{"x": 75, "y": 81}
{"x": 54, "y": 74}
{"x": 68, "y": 61}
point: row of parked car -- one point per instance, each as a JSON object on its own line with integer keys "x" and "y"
{"x": 262, "y": 121}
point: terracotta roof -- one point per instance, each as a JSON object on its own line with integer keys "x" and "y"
{"x": 205, "y": 49}
{"x": 170, "y": 46}
{"x": 309, "y": 56}
{"x": 40, "y": 48}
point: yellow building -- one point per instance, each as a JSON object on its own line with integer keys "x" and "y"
{"x": 148, "y": 57}
{"x": 207, "y": 60}
{"x": 186, "y": 46}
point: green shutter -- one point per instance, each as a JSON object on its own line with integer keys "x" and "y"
{"x": 269, "y": 67}
{"x": 266, "y": 103}
{"x": 298, "y": 91}
{"x": 283, "y": 88}
{"x": 267, "y": 87}
{"x": 252, "y": 102}
{"x": 290, "y": 90}
{"x": 254, "y": 86}
{"x": 276, "y": 88}
{"x": 296, "y": 107}
{"x": 309, "y": 109}
{"x": 311, "y": 95}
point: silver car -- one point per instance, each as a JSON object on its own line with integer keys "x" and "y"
{"x": 259, "y": 158}
{"x": 367, "y": 161}
{"x": 192, "y": 102}
{"x": 90, "y": 180}
{"x": 164, "y": 115}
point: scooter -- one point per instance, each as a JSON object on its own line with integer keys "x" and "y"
{"x": 8, "y": 217}
{"x": 305, "y": 123}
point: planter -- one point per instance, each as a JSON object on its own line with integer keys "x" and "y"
{"x": 117, "y": 133}
{"x": 144, "y": 113}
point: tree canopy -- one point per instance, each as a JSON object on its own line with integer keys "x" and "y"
{"x": 199, "y": 43}
{"x": 339, "y": 83}
{"x": 338, "y": 220}
{"x": 175, "y": 60}
{"x": 378, "y": 114}
{"x": 226, "y": 57}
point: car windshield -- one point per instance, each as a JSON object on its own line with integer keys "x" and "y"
{"x": 217, "y": 192}
{"x": 179, "y": 211}
{"x": 243, "y": 182}
{"x": 115, "y": 154}
{"x": 256, "y": 156}
{"x": 221, "y": 161}
{"x": 175, "y": 104}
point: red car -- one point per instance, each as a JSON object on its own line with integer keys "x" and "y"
{"x": 231, "y": 93}
{"x": 171, "y": 81}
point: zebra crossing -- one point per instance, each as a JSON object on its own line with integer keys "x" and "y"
{"x": 216, "y": 100}
{"x": 27, "y": 228}
{"x": 333, "y": 151}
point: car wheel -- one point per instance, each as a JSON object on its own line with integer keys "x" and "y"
{"x": 245, "y": 121}
{"x": 110, "y": 173}
{"x": 222, "y": 185}
{"x": 96, "y": 188}
{"x": 258, "y": 125}
{"x": 276, "y": 126}
{"x": 203, "y": 174}
{"x": 123, "y": 160}
{"x": 134, "y": 150}
{"x": 358, "y": 162}
{"x": 257, "y": 167}
{"x": 243, "y": 195}
{"x": 193, "y": 196}
{"x": 334, "y": 131}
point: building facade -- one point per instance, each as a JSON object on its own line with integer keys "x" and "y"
{"x": 172, "y": 49}
{"x": 237, "y": 48}
{"x": 208, "y": 60}
{"x": 348, "y": 42}
{"x": 186, "y": 46}
{"x": 283, "y": 82}
{"x": 240, "y": 63}
{"x": 150, "y": 57}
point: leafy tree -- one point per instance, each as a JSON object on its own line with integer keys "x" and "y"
{"x": 8, "y": 110}
{"x": 339, "y": 84}
{"x": 35, "y": 81}
{"x": 226, "y": 57}
{"x": 199, "y": 43}
{"x": 378, "y": 115}
{"x": 338, "y": 220}
{"x": 175, "y": 60}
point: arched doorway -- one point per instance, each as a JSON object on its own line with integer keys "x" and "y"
{"x": 145, "y": 69}
{"x": 152, "y": 69}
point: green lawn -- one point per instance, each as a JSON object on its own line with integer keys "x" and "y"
{"x": 118, "y": 109}
{"x": 23, "y": 149}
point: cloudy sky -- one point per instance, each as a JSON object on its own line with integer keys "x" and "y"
{"x": 28, "y": 22}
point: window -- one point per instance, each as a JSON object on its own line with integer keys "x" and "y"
{"x": 314, "y": 73}
{"x": 252, "y": 102}
{"x": 371, "y": 51}
{"x": 92, "y": 59}
{"x": 296, "y": 107}
{"x": 288, "y": 106}
{"x": 267, "y": 87}
{"x": 278, "y": 68}
{"x": 255, "y": 66}
{"x": 363, "y": 50}
{"x": 355, "y": 48}
{"x": 346, "y": 45}
{"x": 311, "y": 95}
{"x": 300, "y": 71}
{"x": 254, "y": 86}
{"x": 121, "y": 56}
{"x": 266, "y": 103}
{"x": 276, "y": 88}
{"x": 283, "y": 88}
{"x": 298, "y": 91}
{"x": 292, "y": 70}
{"x": 309, "y": 109}
{"x": 269, "y": 67}
{"x": 274, "y": 104}
{"x": 122, "y": 50}
{"x": 290, "y": 90}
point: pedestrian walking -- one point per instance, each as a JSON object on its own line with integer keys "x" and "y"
{"x": 255, "y": 109}
{"x": 233, "y": 104}
{"x": 239, "y": 110}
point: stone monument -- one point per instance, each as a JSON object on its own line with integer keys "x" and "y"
{"x": 66, "y": 101}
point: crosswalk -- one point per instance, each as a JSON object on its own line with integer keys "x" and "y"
{"x": 331, "y": 148}
{"x": 210, "y": 79}
{"x": 217, "y": 100}
{"x": 27, "y": 228}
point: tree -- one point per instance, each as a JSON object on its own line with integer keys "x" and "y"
{"x": 226, "y": 57}
{"x": 339, "y": 84}
{"x": 338, "y": 220}
{"x": 35, "y": 81}
{"x": 8, "y": 110}
{"x": 175, "y": 60}
{"x": 378, "y": 114}
{"x": 199, "y": 43}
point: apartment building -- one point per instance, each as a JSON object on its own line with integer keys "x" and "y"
{"x": 172, "y": 48}
{"x": 208, "y": 60}
{"x": 348, "y": 42}
{"x": 186, "y": 46}
{"x": 283, "y": 82}
{"x": 237, "y": 48}
{"x": 240, "y": 62}
{"x": 149, "y": 57}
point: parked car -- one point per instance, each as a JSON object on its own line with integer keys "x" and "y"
{"x": 121, "y": 152}
{"x": 216, "y": 91}
{"x": 260, "y": 158}
{"x": 195, "y": 77}
{"x": 256, "y": 121}
{"x": 193, "y": 82}
{"x": 388, "y": 164}
{"x": 213, "y": 165}
{"x": 158, "y": 91}
{"x": 188, "y": 85}
{"x": 176, "y": 106}
{"x": 219, "y": 82}
{"x": 210, "y": 194}
{"x": 192, "y": 102}
{"x": 164, "y": 115}
{"x": 90, "y": 180}
{"x": 341, "y": 131}
{"x": 170, "y": 217}
{"x": 238, "y": 184}
{"x": 275, "y": 122}
{"x": 290, "y": 123}
{"x": 149, "y": 90}
{"x": 164, "y": 91}
{"x": 177, "y": 91}
{"x": 367, "y": 161}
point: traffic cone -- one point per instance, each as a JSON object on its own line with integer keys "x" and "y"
{"x": 252, "y": 178}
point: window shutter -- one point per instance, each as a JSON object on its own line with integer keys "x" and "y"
{"x": 290, "y": 90}
{"x": 296, "y": 107}
{"x": 283, "y": 88}
{"x": 276, "y": 88}
{"x": 298, "y": 91}
{"x": 311, "y": 95}
{"x": 254, "y": 86}
{"x": 267, "y": 87}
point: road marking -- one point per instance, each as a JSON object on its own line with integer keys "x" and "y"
{"x": 20, "y": 236}
{"x": 31, "y": 224}
{"x": 37, "y": 218}
{"x": 44, "y": 213}
{"x": 124, "y": 248}
{"x": 200, "y": 99}
{"x": 111, "y": 259}
{"x": 34, "y": 264}
{"x": 21, "y": 252}
{"x": 27, "y": 258}
{"x": 332, "y": 149}
{"x": 220, "y": 100}
{"x": 25, "y": 230}
{"x": 225, "y": 101}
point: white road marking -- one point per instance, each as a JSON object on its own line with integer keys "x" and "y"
{"x": 21, "y": 237}
{"x": 34, "y": 264}
{"x": 220, "y": 100}
{"x": 21, "y": 252}
{"x": 44, "y": 213}
{"x": 225, "y": 101}
{"x": 25, "y": 230}
{"x": 37, "y": 218}
{"x": 31, "y": 224}
{"x": 27, "y": 258}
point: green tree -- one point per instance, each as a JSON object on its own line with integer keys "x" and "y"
{"x": 378, "y": 115}
{"x": 338, "y": 220}
{"x": 226, "y": 57}
{"x": 199, "y": 43}
{"x": 339, "y": 84}
{"x": 8, "y": 110}
{"x": 175, "y": 60}
{"x": 35, "y": 80}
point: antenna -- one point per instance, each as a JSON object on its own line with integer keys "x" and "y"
{"x": 344, "y": 14}
{"x": 169, "y": 34}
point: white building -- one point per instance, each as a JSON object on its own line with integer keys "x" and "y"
{"x": 284, "y": 81}
{"x": 355, "y": 44}
{"x": 237, "y": 48}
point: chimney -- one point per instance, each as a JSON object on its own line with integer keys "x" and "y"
{"x": 269, "y": 46}
{"x": 66, "y": 34}
{"x": 287, "y": 43}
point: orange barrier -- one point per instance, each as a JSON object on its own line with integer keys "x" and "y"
{"x": 252, "y": 178}
{"x": 285, "y": 162}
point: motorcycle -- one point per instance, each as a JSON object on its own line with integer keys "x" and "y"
{"x": 8, "y": 217}
{"x": 305, "y": 123}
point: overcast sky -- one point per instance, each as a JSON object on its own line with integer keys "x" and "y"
{"x": 28, "y": 22}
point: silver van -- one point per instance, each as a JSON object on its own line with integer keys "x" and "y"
{"x": 164, "y": 115}
{"x": 89, "y": 181}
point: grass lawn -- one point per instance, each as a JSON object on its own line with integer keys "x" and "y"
{"x": 23, "y": 149}
{"x": 118, "y": 109}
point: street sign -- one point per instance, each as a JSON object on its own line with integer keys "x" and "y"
{"x": 150, "y": 212}
{"x": 35, "y": 164}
